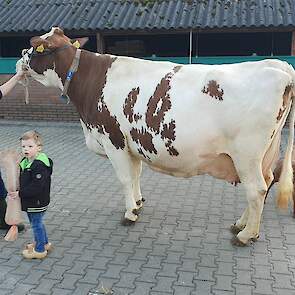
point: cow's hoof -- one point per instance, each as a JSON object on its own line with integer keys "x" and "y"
{"x": 255, "y": 239}
{"x": 136, "y": 211}
{"x": 236, "y": 242}
{"x": 127, "y": 222}
{"x": 140, "y": 202}
{"x": 234, "y": 229}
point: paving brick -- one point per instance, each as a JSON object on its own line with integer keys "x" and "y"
{"x": 243, "y": 263}
{"x": 261, "y": 272}
{"x": 283, "y": 281}
{"x": 203, "y": 287}
{"x": 183, "y": 290}
{"x": 69, "y": 281}
{"x": 263, "y": 286}
{"x": 225, "y": 268}
{"x": 45, "y": 286}
{"x": 163, "y": 284}
{"x": 113, "y": 271}
{"x": 243, "y": 289}
{"x": 34, "y": 276}
{"x": 127, "y": 280}
{"x": 57, "y": 291}
{"x": 142, "y": 288}
{"x": 82, "y": 288}
{"x": 205, "y": 274}
{"x": 22, "y": 289}
{"x": 223, "y": 283}
{"x": 11, "y": 281}
{"x": 148, "y": 275}
{"x": 280, "y": 267}
{"x": 57, "y": 272}
{"x": 185, "y": 279}
{"x": 78, "y": 268}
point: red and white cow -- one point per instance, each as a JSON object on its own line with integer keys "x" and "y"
{"x": 182, "y": 120}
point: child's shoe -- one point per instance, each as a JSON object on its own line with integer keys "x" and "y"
{"x": 32, "y": 254}
{"x": 48, "y": 247}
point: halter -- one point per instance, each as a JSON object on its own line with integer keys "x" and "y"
{"x": 74, "y": 66}
{"x": 72, "y": 70}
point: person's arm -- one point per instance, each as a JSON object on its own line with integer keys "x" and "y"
{"x": 10, "y": 84}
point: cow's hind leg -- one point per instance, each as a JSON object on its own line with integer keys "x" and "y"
{"x": 255, "y": 185}
{"x": 137, "y": 167}
{"x": 241, "y": 223}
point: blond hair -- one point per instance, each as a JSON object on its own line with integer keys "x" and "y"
{"x": 34, "y": 135}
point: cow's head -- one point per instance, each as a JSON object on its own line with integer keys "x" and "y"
{"x": 49, "y": 58}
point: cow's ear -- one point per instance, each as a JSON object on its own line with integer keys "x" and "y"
{"x": 79, "y": 42}
{"x": 58, "y": 31}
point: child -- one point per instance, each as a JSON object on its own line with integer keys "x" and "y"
{"x": 34, "y": 192}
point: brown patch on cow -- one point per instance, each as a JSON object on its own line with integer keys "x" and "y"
{"x": 168, "y": 135}
{"x": 128, "y": 107}
{"x": 273, "y": 133}
{"x": 168, "y": 131}
{"x": 144, "y": 138}
{"x": 110, "y": 125}
{"x": 158, "y": 105}
{"x": 88, "y": 97}
{"x": 286, "y": 97}
{"x": 140, "y": 151}
{"x": 171, "y": 149}
{"x": 213, "y": 90}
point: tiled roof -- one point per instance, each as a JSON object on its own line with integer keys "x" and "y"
{"x": 40, "y": 15}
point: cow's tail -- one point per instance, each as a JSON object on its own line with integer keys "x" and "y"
{"x": 285, "y": 184}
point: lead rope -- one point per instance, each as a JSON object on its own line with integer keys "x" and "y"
{"x": 64, "y": 95}
{"x": 25, "y": 81}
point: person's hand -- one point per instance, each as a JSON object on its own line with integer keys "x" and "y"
{"x": 12, "y": 195}
{"x": 20, "y": 75}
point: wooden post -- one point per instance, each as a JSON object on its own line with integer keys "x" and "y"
{"x": 293, "y": 44}
{"x": 100, "y": 46}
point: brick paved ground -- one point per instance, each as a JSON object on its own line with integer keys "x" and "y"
{"x": 180, "y": 245}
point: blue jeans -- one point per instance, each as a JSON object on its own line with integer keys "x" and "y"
{"x": 3, "y": 191}
{"x": 40, "y": 235}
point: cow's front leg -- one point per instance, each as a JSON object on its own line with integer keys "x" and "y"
{"x": 122, "y": 162}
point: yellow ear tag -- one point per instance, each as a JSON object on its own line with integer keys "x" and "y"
{"x": 76, "y": 44}
{"x": 40, "y": 48}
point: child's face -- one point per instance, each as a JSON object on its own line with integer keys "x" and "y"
{"x": 30, "y": 149}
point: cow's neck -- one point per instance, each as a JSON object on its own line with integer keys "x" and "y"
{"x": 63, "y": 63}
{"x": 86, "y": 88}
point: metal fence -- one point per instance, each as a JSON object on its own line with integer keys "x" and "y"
{"x": 7, "y": 65}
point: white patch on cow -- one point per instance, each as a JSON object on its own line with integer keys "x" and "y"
{"x": 49, "y": 33}
{"x": 93, "y": 140}
{"x": 49, "y": 78}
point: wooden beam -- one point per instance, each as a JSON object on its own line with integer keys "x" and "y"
{"x": 100, "y": 46}
{"x": 293, "y": 44}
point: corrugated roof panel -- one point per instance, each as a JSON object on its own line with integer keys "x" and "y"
{"x": 39, "y": 15}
